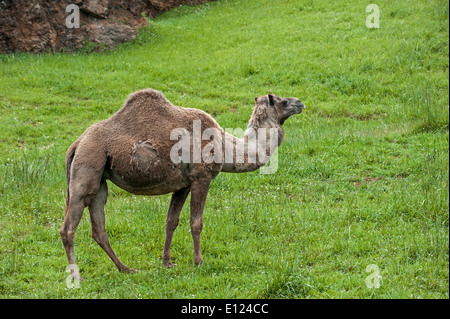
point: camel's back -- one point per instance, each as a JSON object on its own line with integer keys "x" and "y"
{"x": 148, "y": 113}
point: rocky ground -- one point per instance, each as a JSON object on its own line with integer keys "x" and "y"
{"x": 40, "y": 25}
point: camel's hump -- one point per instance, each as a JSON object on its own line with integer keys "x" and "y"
{"x": 151, "y": 106}
{"x": 144, "y": 102}
{"x": 145, "y": 95}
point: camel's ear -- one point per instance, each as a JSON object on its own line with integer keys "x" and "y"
{"x": 271, "y": 102}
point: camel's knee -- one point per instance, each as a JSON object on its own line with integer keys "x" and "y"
{"x": 67, "y": 235}
{"x": 196, "y": 227}
{"x": 63, "y": 233}
{"x": 172, "y": 223}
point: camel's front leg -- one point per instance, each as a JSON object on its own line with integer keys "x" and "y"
{"x": 173, "y": 216}
{"x": 199, "y": 191}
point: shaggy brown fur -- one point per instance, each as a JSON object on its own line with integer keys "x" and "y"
{"x": 132, "y": 149}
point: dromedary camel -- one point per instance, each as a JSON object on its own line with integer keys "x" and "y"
{"x": 134, "y": 149}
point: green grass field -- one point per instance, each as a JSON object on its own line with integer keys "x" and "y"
{"x": 362, "y": 176}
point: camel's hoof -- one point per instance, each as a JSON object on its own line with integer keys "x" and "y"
{"x": 168, "y": 264}
{"x": 198, "y": 263}
{"x": 128, "y": 270}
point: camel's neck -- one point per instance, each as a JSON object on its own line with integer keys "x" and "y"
{"x": 254, "y": 149}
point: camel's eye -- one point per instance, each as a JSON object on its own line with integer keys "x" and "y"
{"x": 284, "y": 103}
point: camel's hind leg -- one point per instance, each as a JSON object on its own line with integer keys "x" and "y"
{"x": 173, "y": 216}
{"x": 74, "y": 211}
{"x": 97, "y": 213}
{"x": 80, "y": 193}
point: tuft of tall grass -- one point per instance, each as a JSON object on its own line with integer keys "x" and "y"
{"x": 27, "y": 170}
{"x": 426, "y": 104}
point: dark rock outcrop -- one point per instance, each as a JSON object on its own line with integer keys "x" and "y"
{"x": 40, "y": 25}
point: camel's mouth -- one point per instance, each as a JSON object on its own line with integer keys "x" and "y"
{"x": 284, "y": 119}
{"x": 297, "y": 109}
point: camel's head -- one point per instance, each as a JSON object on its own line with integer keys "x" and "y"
{"x": 283, "y": 107}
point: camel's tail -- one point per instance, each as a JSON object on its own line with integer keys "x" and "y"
{"x": 69, "y": 158}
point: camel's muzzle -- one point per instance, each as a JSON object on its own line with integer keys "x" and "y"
{"x": 299, "y": 106}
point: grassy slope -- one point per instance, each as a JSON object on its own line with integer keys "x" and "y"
{"x": 363, "y": 172}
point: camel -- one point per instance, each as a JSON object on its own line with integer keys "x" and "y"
{"x": 134, "y": 150}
